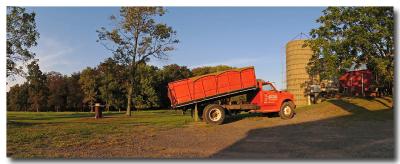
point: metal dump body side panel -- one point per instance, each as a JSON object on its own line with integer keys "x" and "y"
{"x": 180, "y": 91}
{"x": 210, "y": 85}
{"x": 204, "y": 87}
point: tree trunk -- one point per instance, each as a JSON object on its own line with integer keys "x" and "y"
{"x": 132, "y": 71}
{"x": 107, "y": 106}
{"x": 128, "y": 108}
{"x": 91, "y": 106}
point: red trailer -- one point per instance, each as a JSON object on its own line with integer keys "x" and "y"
{"x": 229, "y": 92}
{"x": 356, "y": 82}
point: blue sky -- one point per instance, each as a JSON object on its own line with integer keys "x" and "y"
{"x": 209, "y": 36}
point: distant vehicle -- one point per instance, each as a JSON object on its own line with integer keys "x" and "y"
{"x": 229, "y": 92}
{"x": 321, "y": 91}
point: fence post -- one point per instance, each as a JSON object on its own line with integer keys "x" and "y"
{"x": 196, "y": 113}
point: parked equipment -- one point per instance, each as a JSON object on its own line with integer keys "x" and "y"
{"x": 321, "y": 91}
{"x": 215, "y": 95}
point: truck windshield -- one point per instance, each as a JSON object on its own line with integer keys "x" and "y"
{"x": 268, "y": 87}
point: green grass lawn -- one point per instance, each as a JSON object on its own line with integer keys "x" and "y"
{"x": 31, "y": 134}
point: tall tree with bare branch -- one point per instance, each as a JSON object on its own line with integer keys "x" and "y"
{"x": 134, "y": 39}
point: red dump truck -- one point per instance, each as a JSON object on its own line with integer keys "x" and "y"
{"x": 213, "y": 96}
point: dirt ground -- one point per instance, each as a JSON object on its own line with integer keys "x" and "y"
{"x": 338, "y": 129}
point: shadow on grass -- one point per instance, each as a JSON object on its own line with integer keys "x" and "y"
{"x": 58, "y": 116}
{"x": 20, "y": 124}
{"x": 55, "y": 119}
{"x": 387, "y": 99}
{"x": 238, "y": 117}
{"x": 373, "y": 99}
{"x": 334, "y": 138}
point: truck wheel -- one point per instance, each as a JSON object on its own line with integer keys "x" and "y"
{"x": 214, "y": 114}
{"x": 287, "y": 110}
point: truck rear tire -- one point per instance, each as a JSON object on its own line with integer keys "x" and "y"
{"x": 287, "y": 110}
{"x": 214, "y": 114}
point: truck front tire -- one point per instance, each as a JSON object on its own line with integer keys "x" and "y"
{"x": 287, "y": 110}
{"x": 214, "y": 114}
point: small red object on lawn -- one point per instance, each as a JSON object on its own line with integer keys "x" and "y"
{"x": 98, "y": 111}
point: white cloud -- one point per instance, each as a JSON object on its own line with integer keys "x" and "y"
{"x": 53, "y": 54}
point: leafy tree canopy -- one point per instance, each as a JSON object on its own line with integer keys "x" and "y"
{"x": 210, "y": 69}
{"x": 352, "y": 36}
{"x": 21, "y": 35}
{"x": 89, "y": 85}
{"x": 37, "y": 87}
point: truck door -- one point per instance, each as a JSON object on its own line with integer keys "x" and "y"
{"x": 269, "y": 97}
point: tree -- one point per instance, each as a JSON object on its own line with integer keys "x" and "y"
{"x": 21, "y": 35}
{"x": 89, "y": 86}
{"x": 168, "y": 74}
{"x": 110, "y": 77}
{"x": 74, "y": 93}
{"x": 352, "y": 36}
{"x": 57, "y": 86}
{"x": 135, "y": 39}
{"x": 17, "y": 98}
{"x": 37, "y": 87}
{"x": 210, "y": 69}
{"x": 146, "y": 95}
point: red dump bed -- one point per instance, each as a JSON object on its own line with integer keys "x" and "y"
{"x": 197, "y": 88}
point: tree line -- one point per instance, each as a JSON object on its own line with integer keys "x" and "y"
{"x": 105, "y": 84}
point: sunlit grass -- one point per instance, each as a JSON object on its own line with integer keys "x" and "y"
{"x": 31, "y": 134}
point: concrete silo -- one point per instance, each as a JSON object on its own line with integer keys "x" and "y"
{"x": 297, "y": 58}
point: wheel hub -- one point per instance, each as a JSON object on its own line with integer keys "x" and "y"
{"x": 287, "y": 110}
{"x": 215, "y": 114}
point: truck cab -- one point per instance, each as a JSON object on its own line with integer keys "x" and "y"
{"x": 269, "y": 99}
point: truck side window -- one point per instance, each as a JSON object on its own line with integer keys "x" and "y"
{"x": 267, "y": 87}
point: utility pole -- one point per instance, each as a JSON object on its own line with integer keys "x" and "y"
{"x": 351, "y": 84}
{"x": 362, "y": 83}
